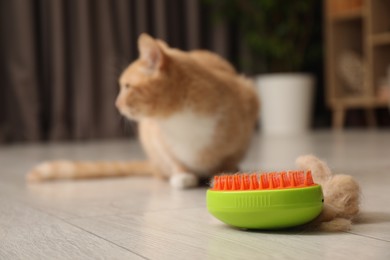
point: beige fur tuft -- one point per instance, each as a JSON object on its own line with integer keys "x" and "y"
{"x": 336, "y": 225}
{"x": 341, "y": 195}
{"x": 319, "y": 168}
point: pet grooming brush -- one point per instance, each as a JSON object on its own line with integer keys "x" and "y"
{"x": 265, "y": 201}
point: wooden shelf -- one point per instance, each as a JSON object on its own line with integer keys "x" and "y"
{"x": 380, "y": 39}
{"x": 365, "y": 102}
{"x": 347, "y": 15}
{"x": 359, "y": 102}
{"x": 365, "y": 31}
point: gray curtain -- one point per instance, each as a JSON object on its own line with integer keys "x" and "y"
{"x": 60, "y": 60}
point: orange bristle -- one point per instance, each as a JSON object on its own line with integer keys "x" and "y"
{"x": 273, "y": 180}
{"x": 242, "y": 186}
{"x": 229, "y": 182}
{"x": 299, "y": 179}
{"x": 292, "y": 178}
{"x": 224, "y": 182}
{"x": 245, "y": 181}
{"x": 264, "y": 181}
{"x": 217, "y": 183}
{"x": 309, "y": 179}
{"x": 253, "y": 185}
{"x": 285, "y": 182}
{"x": 235, "y": 183}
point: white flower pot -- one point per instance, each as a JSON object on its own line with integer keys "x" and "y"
{"x": 286, "y": 103}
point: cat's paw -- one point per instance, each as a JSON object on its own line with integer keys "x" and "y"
{"x": 183, "y": 181}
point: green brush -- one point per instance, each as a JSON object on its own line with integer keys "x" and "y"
{"x": 265, "y": 201}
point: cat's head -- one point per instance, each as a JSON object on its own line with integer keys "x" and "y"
{"x": 148, "y": 86}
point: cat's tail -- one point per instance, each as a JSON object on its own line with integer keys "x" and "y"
{"x": 62, "y": 169}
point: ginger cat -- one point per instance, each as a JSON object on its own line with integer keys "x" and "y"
{"x": 195, "y": 114}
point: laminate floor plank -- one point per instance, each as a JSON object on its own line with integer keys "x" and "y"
{"x": 26, "y": 233}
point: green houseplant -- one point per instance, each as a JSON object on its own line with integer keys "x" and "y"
{"x": 279, "y": 37}
{"x": 279, "y": 34}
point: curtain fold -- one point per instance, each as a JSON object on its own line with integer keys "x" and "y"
{"x": 61, "y": 60}
{"x": 21, "y": 110}
{"x": 56, "y": 71}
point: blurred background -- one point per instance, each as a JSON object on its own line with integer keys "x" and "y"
{"x": 60, "y": 60}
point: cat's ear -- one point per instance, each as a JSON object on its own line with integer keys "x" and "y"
{"x": 163, "y": 44}
{"x": 151, "y": 52}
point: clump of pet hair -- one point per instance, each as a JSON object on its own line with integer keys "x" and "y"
{"x": 341, "y": 195}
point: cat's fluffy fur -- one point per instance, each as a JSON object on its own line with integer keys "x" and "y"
{"x": 196, "y": 117}
{"x": 341, "y": 195}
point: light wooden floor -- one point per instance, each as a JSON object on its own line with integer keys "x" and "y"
{"x": 136, "y": 218}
